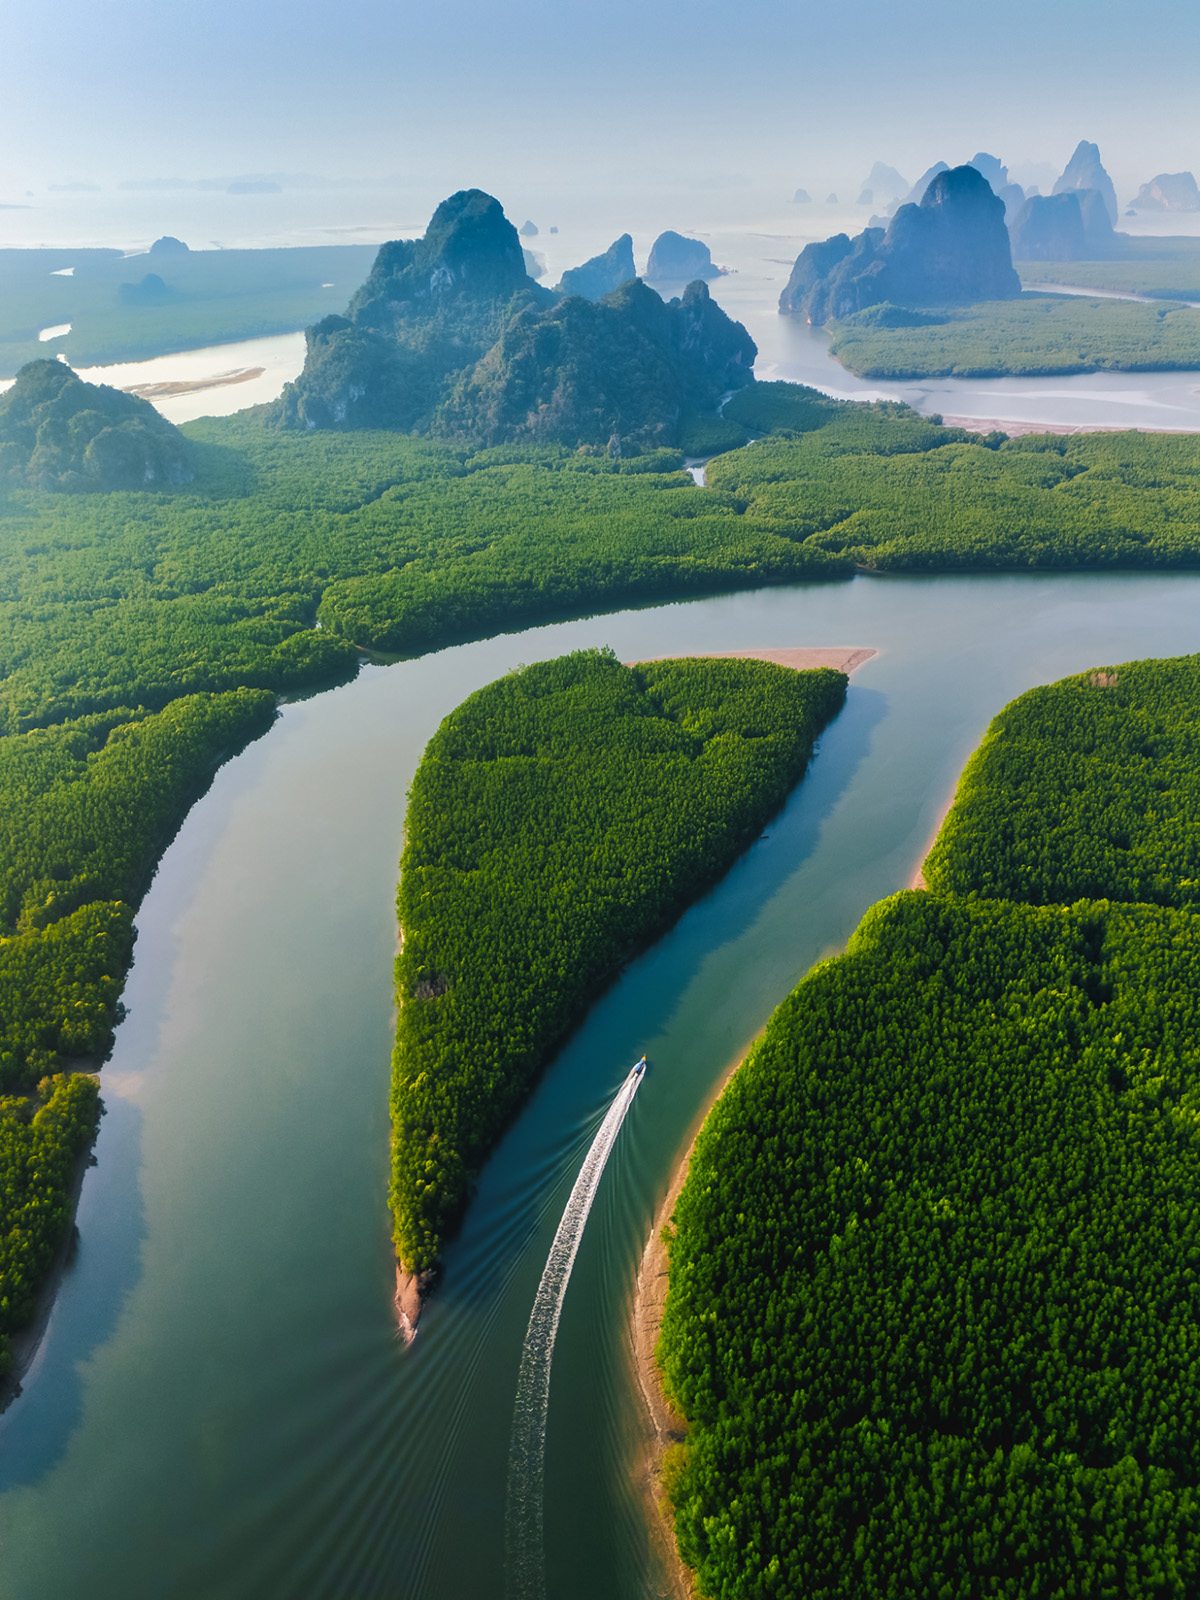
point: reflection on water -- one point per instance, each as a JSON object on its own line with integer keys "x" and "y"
{"x": 223, "y": 1406}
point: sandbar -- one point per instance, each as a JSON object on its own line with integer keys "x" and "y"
{"x": 1016, "y": 430}
{"x": 163, "y": 391}
{"x": 842, "y": 658}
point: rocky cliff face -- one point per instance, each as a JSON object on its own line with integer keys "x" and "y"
{"x": 1074, "y": 226}
{"x": 1086, "y": 171}
{"x": 951, "y": 249}
{"x": 429, "y": 308}
{"x": 674, "y": 259}
{"x": 1170, "y": 191}
{"x": 59, "y": 433}
{"x": 471, "y": 256}
{"x": 448, "y": 336}
{"x": 619, "y": 371}
{"x": 603, "y": 273}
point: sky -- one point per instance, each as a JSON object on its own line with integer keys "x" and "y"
{"x": 634, "y": 92}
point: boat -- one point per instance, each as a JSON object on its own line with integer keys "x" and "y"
{"x": 639, "y": 1068}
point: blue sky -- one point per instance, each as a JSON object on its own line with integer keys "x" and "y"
{"x": 106, "y": 89}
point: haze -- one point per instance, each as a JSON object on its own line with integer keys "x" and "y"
{"x": 624, "y": 96}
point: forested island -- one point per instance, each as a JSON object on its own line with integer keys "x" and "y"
{"x": 561, "y": 819}
{"x": 933, "y": 1301}
{"x": 1039, "y": 335}
{"x": 1163, "y": 269}
{"x": 289, "y": 552}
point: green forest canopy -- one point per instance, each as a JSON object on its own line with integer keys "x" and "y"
{"x": 207, "y": 297}
{"x": 560, "y": 820}
{"x": 143, "y": 634}
{"x": 1040, "y": 335}
{"x": 934, "y": 1273}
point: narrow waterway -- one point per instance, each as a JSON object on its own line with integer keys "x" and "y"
{"x": 221, "y": 1407}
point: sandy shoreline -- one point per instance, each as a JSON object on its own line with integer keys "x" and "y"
{"x": 917, "y": 881}
{"x": 842, "y": 658}
{"x": 1016, "y": 430}
{"x": 664, "y": 1425}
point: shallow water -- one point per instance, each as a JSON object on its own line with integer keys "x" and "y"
{"x": 754, "y": 234}
{"x": 221, "y": 1406}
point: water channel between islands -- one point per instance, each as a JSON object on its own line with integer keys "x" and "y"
{"x": 221, "y": 1405}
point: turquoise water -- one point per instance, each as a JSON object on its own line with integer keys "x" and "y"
{"x": 221, "y": 1407}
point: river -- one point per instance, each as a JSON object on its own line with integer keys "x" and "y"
{"x": 221, "y": 1407}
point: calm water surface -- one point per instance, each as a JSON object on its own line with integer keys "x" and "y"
{"x": 754, "y": 233}
{"x": 221, "y": 1407}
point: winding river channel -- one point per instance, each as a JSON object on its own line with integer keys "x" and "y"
{"x": 221, "y": 1409}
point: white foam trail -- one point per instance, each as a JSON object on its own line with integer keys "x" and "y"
{"x": 526, "y": 1566}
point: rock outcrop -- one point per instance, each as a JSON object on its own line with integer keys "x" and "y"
{"x": 1170, "y": 191}
{"x": 528, "y": 230}
{"x": 168, "y": 245}
{"x": 951, "y": 249}
{"x": 59, "y": 433}
{"x": 449, "y": 337}
{"x": 1086, "y": 171}
{"x": 429, "y": 308}
{"x": 802, "y": 198}
{"x": 603, "y": 273}
{"x": 674, "y": 259}
{"x": 1073, "y": 226}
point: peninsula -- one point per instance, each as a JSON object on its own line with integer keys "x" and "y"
{"x": 560, "y": 821}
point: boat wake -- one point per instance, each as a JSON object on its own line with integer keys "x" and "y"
{"x": 525, "y": 1549}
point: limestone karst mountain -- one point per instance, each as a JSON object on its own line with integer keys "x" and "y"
{"x": 1073, "y": 226}
{"x": 59, "y": 433}
{"x": 1169, "y": 191}
{"x": 677, "y": 259}
{"x": 603, "y": 273}
{"x": 950, "y": 249}
{"x": 1086, "y": 171}
{"x": 450, "y": 337}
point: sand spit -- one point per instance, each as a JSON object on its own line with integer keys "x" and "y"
{"x": 1016, "y": 430}
{"x": 842, "y": 658}
{"x": 165, "y": 391}
{"x": 412, "y": 1288}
